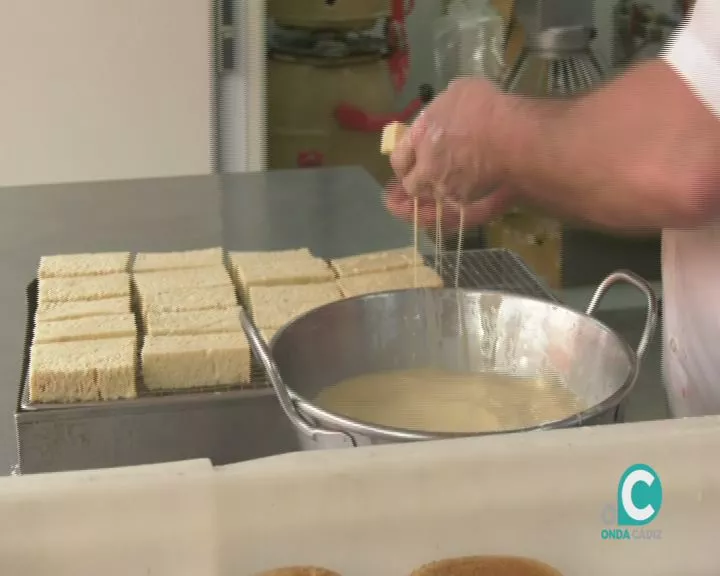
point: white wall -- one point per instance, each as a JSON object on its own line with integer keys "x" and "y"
{"x": 104, "y": 89}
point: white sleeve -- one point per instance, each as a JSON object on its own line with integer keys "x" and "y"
{"x": 694, "y": 52}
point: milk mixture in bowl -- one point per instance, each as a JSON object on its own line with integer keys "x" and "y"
{"x": 441, "y": 401}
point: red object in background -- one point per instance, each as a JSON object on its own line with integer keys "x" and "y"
{"x": 399, "y": 60}
{"x": 351, "y": 117}
{"x": 310, "y": 159}
{"x": 637, "y": 21}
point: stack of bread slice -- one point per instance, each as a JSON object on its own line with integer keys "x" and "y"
{"x": 192, "y": 334}
{"x": 383, "y": 271}
{"x": 278, "y": 286}
{"x": 85, "y": 335}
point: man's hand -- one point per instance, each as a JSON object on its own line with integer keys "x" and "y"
{"x": 639, "y": 153}
{"x": 400, "y": 204}
{"x": 448, "y": 152}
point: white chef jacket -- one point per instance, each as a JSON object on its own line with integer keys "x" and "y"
{"x": 691, "y": 265}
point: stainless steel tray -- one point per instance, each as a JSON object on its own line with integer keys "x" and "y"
{"x": 494, "y": 269}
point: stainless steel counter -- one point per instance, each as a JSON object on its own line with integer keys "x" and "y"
{"x": 335, "y": 212}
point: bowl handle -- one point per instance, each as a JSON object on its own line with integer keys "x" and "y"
{"x": 260, "y": 349}
{"x": 651, "y": 318}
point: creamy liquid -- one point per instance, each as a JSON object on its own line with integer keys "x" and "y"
{"x": 433, "y": 400}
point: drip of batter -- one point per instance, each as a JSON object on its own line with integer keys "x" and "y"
{"x": 432, "y": 400}
{"x": 438, "y": 236}
{"x": 458, "y": 256}
{"x": 415, "y": 241}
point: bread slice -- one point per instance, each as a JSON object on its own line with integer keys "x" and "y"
{"x": 391, "y": 136}
{"x": 377, "y": 262}
{"x": 83, "y": 371}
{"x": 151, "y": 261}
{"x": 187, "y": 299}
{"x": 170, "y": 280}
{"x": 393, "y": 280}
{"x": 91, "y": 328}
{"x": 239, "y": 258}
{"x": 50, "y": 311}
{"x": 279, "y": 272}
{"x": 194, "y": 322}
{"x": 84, "y": 288}
{"x": 197, "y": 361}
{"x": 486, "y": 566}
{"x": 275, "y": 306}
{"x": 70, "y": 265}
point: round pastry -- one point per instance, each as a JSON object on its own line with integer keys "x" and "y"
{"x": 486, "y": 566}
{"x": 299, "y": 571}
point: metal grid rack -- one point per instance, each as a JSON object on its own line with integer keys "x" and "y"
{"x": 493, "y": 269}
{"x": 229, "y": 425}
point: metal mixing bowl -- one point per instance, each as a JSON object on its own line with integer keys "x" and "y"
{"x": 422, "y": 328}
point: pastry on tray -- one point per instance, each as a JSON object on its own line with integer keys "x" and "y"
{"x": 89, "y": 328}
{"x": 299, "y": 571}
{"x": 152, "y": 261}
{"x": 195, "y": 361}
{"x": 280, "y": 272}
{"x": 188, "y": 299}
{"x": 396, "y": 259}
{"x": 193, "y": 322}
{"x": 486, "y": 566}
{"x": 418, "y": 277}
{"x": 76, "y": 288}
{"x": 52, "y": 311}
{"x": 275, "y": 306}
{"x": 169, "y": 280}
{"x": 85, "y": 370}
{"x": 95, "y": 264}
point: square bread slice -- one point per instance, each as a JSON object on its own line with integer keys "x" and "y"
{"x": 83, "y": 371}
{"x": 281, "y": 272}
{"x": 393, "y": 280}
{"x": 69, "y": 265}
{"x": 239, "y": 258}
{"x": 91, "y": 328}
{"x": 194, "y": 322}
{"x": 377, "y": 262}
{"x": 151, "y": 261}
{"x": 197, "y": 361}
{"x": 187, "y": 299}
{"x": 83, "y": 288}
{"x": 169, "y": 280}
{"x": 50, "y": 311}
{"x": 275, "y": 306}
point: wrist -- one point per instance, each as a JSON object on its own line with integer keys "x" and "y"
{"x": 512, "y": 135}
{"x": 526, "y": 140}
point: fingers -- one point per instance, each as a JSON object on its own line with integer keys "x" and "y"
{"x": 401, "y": 205}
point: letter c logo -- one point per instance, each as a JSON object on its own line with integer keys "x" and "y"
{"x": 639, "y": 496}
